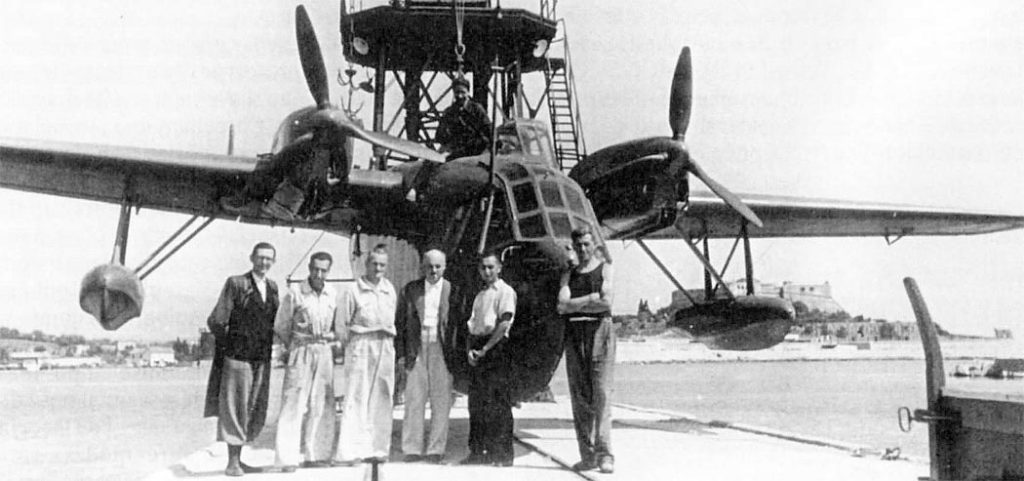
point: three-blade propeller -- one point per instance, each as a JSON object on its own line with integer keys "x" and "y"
{"x": 329, "y": 117}
{"x": 680, "y": 103}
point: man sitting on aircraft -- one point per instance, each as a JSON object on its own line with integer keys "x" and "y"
{"x": 585, "y": 300}
{"x": 305, "y": 325}
{"x": 464, "y": 129}
{"x": 239, "y": 387}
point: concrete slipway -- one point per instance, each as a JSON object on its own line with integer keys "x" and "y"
{"x": 648, "y": 444}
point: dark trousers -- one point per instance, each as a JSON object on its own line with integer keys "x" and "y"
{"x": 490, "y": 402}
{"x": 589, "y": 364}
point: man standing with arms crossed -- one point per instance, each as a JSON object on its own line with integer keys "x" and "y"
{"x": 305, "y": 326}
{"x": 490, "y": 386}
{"x": 365, "y": 326}
{"x": 239, "y": 387}
{"x": 585, "y": 300}
{"x": 422, "y": 323}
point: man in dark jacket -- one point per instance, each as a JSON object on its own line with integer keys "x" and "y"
{"x": 423, "y": 342}
{"x": 239, "y": 385}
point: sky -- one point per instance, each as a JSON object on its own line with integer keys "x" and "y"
{"x": 918, "y": 102}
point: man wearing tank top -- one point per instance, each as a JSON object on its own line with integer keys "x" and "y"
{"x": 584, "y": 301}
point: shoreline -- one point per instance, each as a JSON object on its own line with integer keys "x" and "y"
{"x": 675, "y": 350}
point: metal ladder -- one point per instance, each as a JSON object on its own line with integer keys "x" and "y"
{"x": 566, "y": 125}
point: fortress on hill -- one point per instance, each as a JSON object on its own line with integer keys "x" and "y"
{"x": 814, "y": 296}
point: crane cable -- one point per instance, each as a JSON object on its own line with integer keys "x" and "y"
{"x": 459, "y": 7}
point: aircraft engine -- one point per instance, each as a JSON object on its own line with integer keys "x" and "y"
{"x": 112, "y": 293}
{"x": 746, "y": 323}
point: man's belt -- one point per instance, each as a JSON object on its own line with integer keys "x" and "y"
{"x": 305, "y": 340}
{"x": 586, "y": 318}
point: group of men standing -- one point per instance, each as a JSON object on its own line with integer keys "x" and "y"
{"x": 376, "y": 326}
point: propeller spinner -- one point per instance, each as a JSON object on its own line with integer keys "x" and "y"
{"x": 327, "y": 116}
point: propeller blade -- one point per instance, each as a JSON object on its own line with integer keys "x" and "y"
{"x": 340, "y": 120}
{"x": 311, "y": 58}
{"x": 682, "y": 96}
{"x": 727, "y": 196}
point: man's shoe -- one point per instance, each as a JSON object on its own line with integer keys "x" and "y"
{"x": 585, "y": 465}
{"x": 412, "y": 458}
{"x": 475, "y": 459}
{"x": 233, "y": 471}
{"x": 249, "y": 469}
{"x": 288, "y": 469}
{"x": 606, "y": 464}
{"x": 434, "y": 458}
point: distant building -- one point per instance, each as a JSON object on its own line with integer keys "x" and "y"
{"x": 158, "y": 356}
{"x": 31, "y": 361}
{"x": 126, "y": 346}
{"x": 1004, "y": 334}
{"x": 78, "y": 350}
{"x": 814, "y": 296}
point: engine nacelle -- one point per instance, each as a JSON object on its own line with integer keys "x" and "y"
{"x": 745, "y": 323}
{"x": 112, "y": 293}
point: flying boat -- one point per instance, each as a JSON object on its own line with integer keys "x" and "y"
{"x": 522, "y": 198}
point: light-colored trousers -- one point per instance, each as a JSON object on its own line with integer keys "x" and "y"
{"x": 368, "y": 379}
{"x": 242, "y": 404}
{"x": 429, "y": 378}
{"x": 308, "y": 397}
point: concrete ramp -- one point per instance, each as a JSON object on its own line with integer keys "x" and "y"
{"x": 648, "y": 444}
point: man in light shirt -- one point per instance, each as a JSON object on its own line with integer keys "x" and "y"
{"x": 490, "y": 387}
{"x": 305, "y": 326}
{"x": 365, "y": 327}
{"x": 422, "y": 323}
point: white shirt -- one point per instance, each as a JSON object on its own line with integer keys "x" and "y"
{"x": 261, "y": 286}
{"x": 431, "y": 302}
{"x": 489, "y": 304}
{"x": 304, "y": 313}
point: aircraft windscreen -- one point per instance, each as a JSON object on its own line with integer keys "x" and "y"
{"x": 545, "y": 204}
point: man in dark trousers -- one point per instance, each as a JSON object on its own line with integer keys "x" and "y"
{"x": 422, "y": 343}
{"x": 585, "y": 300}
{"x": 239, "y": 385}
{"x": 490, "y": 383}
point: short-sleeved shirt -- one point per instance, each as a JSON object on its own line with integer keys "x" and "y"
{"x": 489, "y": 304}
{"x": 366, "y": 308}
{"x": 305, "y": 314}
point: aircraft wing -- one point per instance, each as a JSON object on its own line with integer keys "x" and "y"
{"x": 808, "y": 217}
{"x": 185, "y": 182}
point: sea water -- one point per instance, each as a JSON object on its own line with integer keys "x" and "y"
{"x": 102, "y": 424}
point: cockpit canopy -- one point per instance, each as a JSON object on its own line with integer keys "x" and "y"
{"x": 526, "y": 140}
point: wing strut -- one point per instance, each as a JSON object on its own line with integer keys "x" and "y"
{"x": 747, "y": 258}
{"x": 144, "y": 270}
{"x": 121, "y": 236}
{"x": 708, "y": 268}
{"x": 665, "y": 270}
